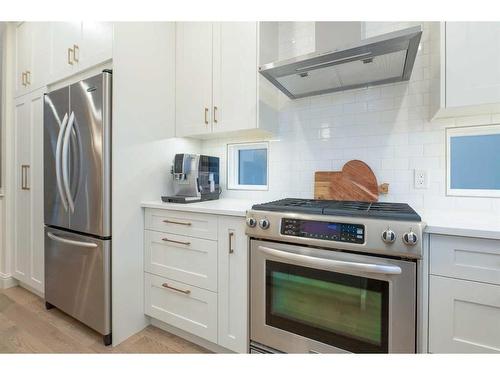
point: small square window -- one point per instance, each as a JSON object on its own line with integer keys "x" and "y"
{"x": 247, "y": 166}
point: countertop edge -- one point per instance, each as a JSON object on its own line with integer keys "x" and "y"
{"x": 195, "y": 209}
{"x": 463, "y": 232}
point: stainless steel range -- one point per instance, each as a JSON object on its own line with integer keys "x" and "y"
{"x": 333, "y": 276}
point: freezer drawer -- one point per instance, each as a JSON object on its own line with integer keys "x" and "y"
{"x": 78, "y": 277}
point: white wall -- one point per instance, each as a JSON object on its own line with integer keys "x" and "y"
{"x": 386, "y": 126}
{"x": 143, "y": 119}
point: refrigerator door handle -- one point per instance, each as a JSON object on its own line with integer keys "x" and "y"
{"x": 62, "y": 128}
{"x": 71, "y": 242}
{"x": 65, "y": 162}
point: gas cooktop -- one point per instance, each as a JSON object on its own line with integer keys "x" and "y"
{"x": 381, "y": 210}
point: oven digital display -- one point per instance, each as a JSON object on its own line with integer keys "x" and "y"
{"x": 324, "y": 230}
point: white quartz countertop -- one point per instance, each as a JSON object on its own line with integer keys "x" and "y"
{"x": 447, "y": 222}
{"x": 223, "y": 206}
{"x": 462, "y": 223}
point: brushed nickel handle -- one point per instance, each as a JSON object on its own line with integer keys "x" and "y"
{"x": 165, "y": 285}
{"x": 231, "y": 237}
{"x": 76, "y": 53}
{"x": 70, "y": 60}
{"x": 23, "y": 79}
{"x": 176, "y": 222}
{"x": 174, "y": 241}
{"x": 206, "y": 116}
{"x": 24, "y": 177}
{"x": 215, "y": 114}
{"x": 28, "y": 77}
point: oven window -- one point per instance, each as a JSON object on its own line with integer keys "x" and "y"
{"x": 345, "y": 311}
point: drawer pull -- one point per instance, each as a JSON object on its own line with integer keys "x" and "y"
{"x": 176, "y": 222}
{"x": 174, "y": 241}
{"x": 231, "y": 237}
{"x": 165, "y": 285}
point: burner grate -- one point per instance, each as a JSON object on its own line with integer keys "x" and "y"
{"x": 383, "y": 210}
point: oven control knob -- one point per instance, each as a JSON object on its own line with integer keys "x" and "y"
{"x": 388, "y": 236}
{"x": 410, "y": 238}
{"x": 251, "y": 222}
{"x": 264, "y": 223}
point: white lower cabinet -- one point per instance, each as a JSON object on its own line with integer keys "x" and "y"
{"x": 186, "y": 259}
{"x": 464, "y": 316}
{"x": 196, "y": 275}
{"x": 464, "y": 295}
{"x": 183, "y": 306}
{"x": 233, "y": 284}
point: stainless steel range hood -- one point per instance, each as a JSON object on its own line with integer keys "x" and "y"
{"x": 374, "y": 61}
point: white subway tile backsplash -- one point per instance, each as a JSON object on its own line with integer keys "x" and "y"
{"x": 386, "y": 126}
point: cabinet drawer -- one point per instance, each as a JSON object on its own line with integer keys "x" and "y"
{"x": 191, "y": 309}
{"x": 182, "y": 223}
{"x": 465, "y": 258}
{"x": 186, "y": 259}
{"x": 464, "y": 316}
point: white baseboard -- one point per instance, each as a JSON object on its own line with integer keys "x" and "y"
{"x": 190, "y": 337}
{"x": 32, "y": 290}
{"x": 7, "y": 281}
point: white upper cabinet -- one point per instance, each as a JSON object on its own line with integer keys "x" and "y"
{"x": 96, "y": 43}
{"x": 32, "y": 60}
{"x": 235, "y": 76}
{"x": 47, "y": 52}
{"x": 65, "y": 37}
{"x": 193, "y": 101}
{"x": 77, "y": 46}
{"x": 467, "y": 68}
{"x": 218, "y": 87}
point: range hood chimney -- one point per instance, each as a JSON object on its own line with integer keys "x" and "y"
{"x": 344, "y": 61}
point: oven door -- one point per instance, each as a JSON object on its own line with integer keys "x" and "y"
{"x": 308, "y": 300}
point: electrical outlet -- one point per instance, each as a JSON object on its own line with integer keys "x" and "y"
{"x": 421, "y": 180}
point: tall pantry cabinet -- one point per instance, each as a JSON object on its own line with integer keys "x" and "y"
{"x": 27, "y": 259}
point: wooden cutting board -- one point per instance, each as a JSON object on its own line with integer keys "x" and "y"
{"x": 356, "y": 182}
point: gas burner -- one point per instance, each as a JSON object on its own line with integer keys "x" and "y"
{"x": 382, "y": 210}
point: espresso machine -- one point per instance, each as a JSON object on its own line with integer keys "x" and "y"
{"x": 195, "y": 178}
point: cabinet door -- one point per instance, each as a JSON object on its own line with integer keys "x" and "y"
{"x": 65, "y": 35}
{"x": 193, "y": 100}
{"x": 36, "y": 257}
{"x": 233, "y": 284}
{"x": 39, "y": 69}
{"x": 22, "y": 200}
{"x": 472, "y": 63}
{"x": 235, "y": 76}
{"x": 464, "y": 316}
{"x": 23, "y": 55}
{"x": 96, "y": 44}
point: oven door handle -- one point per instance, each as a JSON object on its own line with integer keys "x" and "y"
{"x": 334, "y": 265}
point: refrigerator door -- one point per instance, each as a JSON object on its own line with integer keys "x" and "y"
{"x": 78, "y": 277}
{"x": 56, "y": 114}
{"x": 87, "y": 149}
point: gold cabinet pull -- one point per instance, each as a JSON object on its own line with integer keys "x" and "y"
{"x": 76, "y": 53}
{"x": 28, "y": 77}
{"x": 206, "y": 116}
{"x": 215, "y": 114}
{"x": 165, "y": 285}
{"x": 231, "y": 242}
{"x": 70, "y": 59}
{"x": 174, "y": 241}
{"x": 176, "y": 222}
{"x": 24, "y": 177}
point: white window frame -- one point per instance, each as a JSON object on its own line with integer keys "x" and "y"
{"x": 467, "y": 131}
{"x": 233, "y": 165}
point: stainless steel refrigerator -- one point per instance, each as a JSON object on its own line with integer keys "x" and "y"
{"x": 77, "y": 191}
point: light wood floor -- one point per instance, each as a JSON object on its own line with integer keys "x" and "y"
{"x": 27, "y": 327}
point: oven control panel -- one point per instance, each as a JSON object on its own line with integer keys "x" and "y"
{"x": 323, "y": 230}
